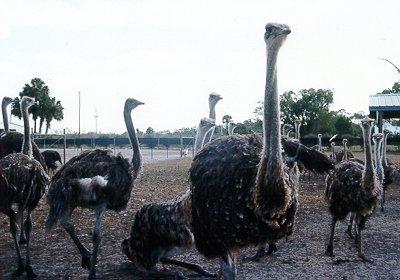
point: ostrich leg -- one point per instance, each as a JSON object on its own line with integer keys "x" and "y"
{"x": 20, "y": 217}
{"x": 100, "y": 210}
{"x": 383, "y": 199}
{"x": 262, "y": 252}
{"x": 359, "y": 226}
{"x": 28, "y": 230}
{"x": 329, "y": 248}
{"x": 69, "y": 227}
{"x": 227, "y": 267}
{"x": 349, "y": 230}
{"x": 13, "y": 229}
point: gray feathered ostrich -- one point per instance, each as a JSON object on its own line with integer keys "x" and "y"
{"x": 94, "y": 179}
{"x": 22, "y": 182}
{"x": 231, "y": 128}
{"x": 213, "y": 99}
{"x": 160, "y": 230}
{"x": 203, "y": 129}
{"x": 353, "y": 188}
{"x": 344, "y": 154}
{"x": 238, "y": 198}
{"x": 11, "y": 141}
{"x": 389, "y": 169}
{"x": 51, "y": 158}
{"x": 318, "y": 147}
{"x": 332, "y": 156}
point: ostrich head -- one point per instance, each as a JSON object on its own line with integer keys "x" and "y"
{"x": 214, "y": 98}
{"x": 275, "y": 34}
{"x": 132, "y": 103}
{"x": 333, "y": 144}
{"x": 6, "y": 101}
{"x": 27, "y": 102}
{"x": 377, "y": 137}
{"x": 319, "y": 135}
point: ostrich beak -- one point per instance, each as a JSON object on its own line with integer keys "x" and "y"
{"x": 286, "y": 31}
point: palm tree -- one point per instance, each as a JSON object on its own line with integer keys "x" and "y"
{"x": 53, "y": 112}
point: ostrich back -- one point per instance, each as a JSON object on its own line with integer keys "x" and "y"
{"x": 115, "y": 169}
{"x": 345, "y": 192}
{"x": 22, "y": 181}
{"x": 158, "y": 228}
{"x": 223, "y": 176}
{"x": 11, "y": 142}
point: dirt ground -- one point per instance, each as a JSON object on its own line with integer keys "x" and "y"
{"x": 54, "y": 255}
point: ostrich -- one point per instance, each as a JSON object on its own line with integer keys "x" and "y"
{"x": 11, "y": 141}
{"x": 203, "y": 130}
{"x": 389, "y": 169}
{"x": 51, "y": 158}
{"x": 286, "y": 128}
{"x": 94, "y": 179}
{"x": 160, "y": 230}
{"x": 318, "y": 147}
{"x": 22, "y": 182}
{"x": 333, "y": 154}
{"x": 344, "y": 154}
{"x": 238, "y": 198}
{"x": 231, "y": 128}
{"x": 212, "y": 102}
{"x": 354, "y": 188}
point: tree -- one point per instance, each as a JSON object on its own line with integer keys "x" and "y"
{"x": 46, "y": 109}
{"x": 395, "y": 89}
{"x": 149, "y": 130}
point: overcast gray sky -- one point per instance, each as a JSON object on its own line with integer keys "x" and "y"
{"x": 172, "y": 54}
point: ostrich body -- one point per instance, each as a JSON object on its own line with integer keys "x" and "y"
{"x": 212, "y": 102}
{"x": 203, "y": 129}
{"x": 11, "y": 141}
{"x": 94, "y": 179}
{"x": 161, "y": 230}
{"x": 51, "y": 158}
{"x": 22, "y": 182}
{"x": 353, "y": 188}
{"x": 388, "y": 168}
{"x": 233, "y": 203}
{"x": 344, "y": 154}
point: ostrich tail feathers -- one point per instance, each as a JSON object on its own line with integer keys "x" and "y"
{"x": 58, "y": 200}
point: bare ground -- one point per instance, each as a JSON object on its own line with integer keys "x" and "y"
{"x": 55, "y": 257}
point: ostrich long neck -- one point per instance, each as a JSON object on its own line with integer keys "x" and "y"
{"x": 333, "y": 152}
{"x": 272, "y": 132}
{"x": 319, "y": 143}
{"x": 384, "y": 159}
{"x": 136, "y": 158}
{"x": 26, "y": 144}
{"x": 369, "y": 171}
{"x": 200, "y": 137}
{"x": 212, "y": 110}
{"x": 344, "y": 151}
{"x": 5, "y": 117}
{"x": 378, "y": 160}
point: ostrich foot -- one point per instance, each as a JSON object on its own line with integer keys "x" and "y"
{"x": 261, "y": 252}
{"x": 86, "y": 261}
{"x": 329, "y": 251}
{"x": 29, "y": 273}
{"x": 365, "y": 259}
{"x": 20, "y": 270}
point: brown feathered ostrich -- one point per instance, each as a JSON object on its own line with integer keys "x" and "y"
{"x": 51, "y": 158}
{"x": 98, "y": 180}
{"x": 203, "y": 129}
{"x": 213, "y": 99}
{"x": 11, "y": 141}
{"x": 160, "y": 230}
{"x": 238, "y": 198}
{"x": 389, "y": 169}
{"x": 353, "y": 188}
{"x": 332, "y": 156}
{"x": 344, "y": 154}
{"x": 22, "y": 182}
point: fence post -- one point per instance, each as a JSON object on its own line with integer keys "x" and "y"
{"x": 65, "y": 145}
{"x": 151, "y": 153}
{"x": 181, "y": 142}
{"x": 167, "y": 151}
{"x": 114, "y": 144}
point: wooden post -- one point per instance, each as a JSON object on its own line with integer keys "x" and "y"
{"x": 65, "y": 145}
{"x": 380, "y": 121}
{"x": 167, "y": 151}
{"x": 114, "y": 144}
{"x": 181, "y": 142}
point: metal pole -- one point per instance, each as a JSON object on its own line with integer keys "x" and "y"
{"x": 65, "y": 145}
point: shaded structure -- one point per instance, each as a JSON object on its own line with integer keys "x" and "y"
{"x": 384, "y": 106}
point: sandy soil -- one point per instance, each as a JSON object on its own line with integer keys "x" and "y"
{"x": 55, "y": 257}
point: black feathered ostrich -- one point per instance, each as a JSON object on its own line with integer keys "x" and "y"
{"x": 94, "y": 179}
{"x": 11, "y": 141}
{"x": 238, "y": 198}
{"x": 344, "y": 154}
{"x": 160, "y": 230}
{"x": 51, "y": 158}
{"x": 22, "y": 182}
{"x": 354, "y": 188}
{"x": 389, "y": 169}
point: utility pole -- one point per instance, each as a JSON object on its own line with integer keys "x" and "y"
{"x": 79, "y": 127}
{"x": 95, "y": 117}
